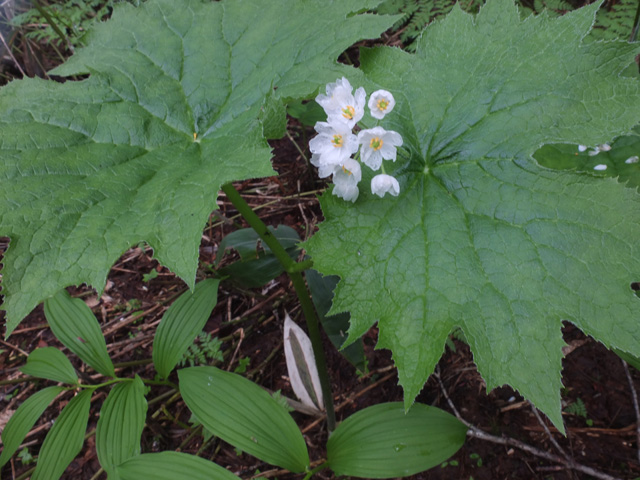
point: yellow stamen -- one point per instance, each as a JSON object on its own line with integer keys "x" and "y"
{"x": 336, "y": 141}
{"x": 344, "y": 169}
{"x": 376, "y": 143}
{"x": 195, "y": 135}
{"x": 348, "y": 112}
{"x": 382, "y": 104}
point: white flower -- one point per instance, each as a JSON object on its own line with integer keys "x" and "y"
{"x": 593, "y": 152}
{"x": 600, "y": 167}
{"x": 340, "y": 104}
{"x": 381, "y": 102}
{"x": 582, "y": 148}
{"x": 605, "y": 147}
{"x": 631, "y": 160}
{"x": 333, "y": 145}
{"x": 377, "y": 144}
{"x": 346, "y": 178}
{"x": 381, "y": 184}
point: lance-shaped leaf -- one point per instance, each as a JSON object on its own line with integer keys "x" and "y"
{"x": 50, "y": 363}
{"x": 481, "y": 236}
{"x": 138, "y": 150}
{"x": 244, "y": 415}
{"x": 172, "y": 466}
{"x": 120, "y": 425}
{"x": 64, "y": 440}
{"x": 23, "y": 419}
{"x": 75, "y": 325}
{"x": 182, "y": 323}
{"x": 383, "y": 441}
{"x": 301, "y": 365}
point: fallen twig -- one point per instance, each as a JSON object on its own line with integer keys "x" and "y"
{"x": 481, "y": 434}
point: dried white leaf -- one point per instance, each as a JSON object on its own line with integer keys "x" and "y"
{"x": 301, "y": 365}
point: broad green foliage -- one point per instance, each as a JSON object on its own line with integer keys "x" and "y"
{"x": 75, "y": 325}
{"x": 172, "y": 466}
{"x": 244, "y": 415}
{"x": 50, "y": 363}
{"x": 120, "y": 425}
{"x": 481, "y": 236}
{"x": 138, "y": 151}
{"x": 24, "y": 419}
{"x": 182, "y": 323}
{"x": 383, "y": 441}
{"x": 64, "y": 440}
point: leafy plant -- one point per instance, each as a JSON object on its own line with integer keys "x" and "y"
{"x": 577, "y": 408}
{"x": 205, "y": 350}
{"x": 243, "y": 414}
{"x": 488, "y": 240}
{"x": 180, "y": 99}
{"x": 417, "y": 14}
{"x": 64, "y": 22}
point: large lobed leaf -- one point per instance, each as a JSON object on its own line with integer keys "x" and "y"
{"x": 481, "y": 236}
{"x": 138, "y": 151}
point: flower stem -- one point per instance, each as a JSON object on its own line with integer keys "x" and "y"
{"x": 294, "y": 270}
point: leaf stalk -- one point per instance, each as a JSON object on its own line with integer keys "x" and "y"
{"x": 294, "y": 270}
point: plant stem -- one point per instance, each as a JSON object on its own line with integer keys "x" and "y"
{"x": 322, "y": 466}
{"x": 293, "y": 269}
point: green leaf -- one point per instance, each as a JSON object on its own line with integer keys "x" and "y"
{"x": 89, "y": 168}
{"x": 120, "y": 425}
{"x": 244, "y": 415}
{"x": 632, "y": 360}
{"x": 621, "y": 161}
{"x": 75, "y": 325}
{"x": 335, "y": 326}
{"x": 481, "y": 236}
{"x": 273, "y": 116}
{"x": 257, "y": 264}
{"x": 246, "y": 241}
{"x": 382, "y": 441}
{"x": 308, "y": 113}
{"x": 50, "y": 363}
{"x": 172, "y": 466}
{"x": 181, "y": 323}
{"x": 64, "y": 440}
{"x": 615, "y": 20}
{"x": 23, "y": 419}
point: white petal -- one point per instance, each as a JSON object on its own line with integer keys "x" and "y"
{"x": 582, "y": 148}
{"x": 373, "y": 103}
{"x": 633, "y": 159}
{"x": 600, "y": 167}
{"x": 381, "y": 184}
{"x": 301, "y": 364}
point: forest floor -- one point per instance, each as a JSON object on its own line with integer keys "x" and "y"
{"x": 598, "y": 407}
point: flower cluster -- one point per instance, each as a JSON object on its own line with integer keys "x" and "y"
{"x": 335, "y": 145}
